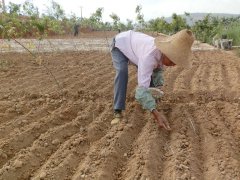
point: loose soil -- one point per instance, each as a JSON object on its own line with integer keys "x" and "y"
{"x": 59, "y": 128}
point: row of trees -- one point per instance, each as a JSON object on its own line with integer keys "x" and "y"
{"x": 21, "y": 20}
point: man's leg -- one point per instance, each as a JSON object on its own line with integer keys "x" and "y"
{"x": 120, "y": 63}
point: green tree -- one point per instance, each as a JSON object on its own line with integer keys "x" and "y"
{"x": 52, "y": 20}
{"x": 14, "y": 8}
{"x": 129, "y": 24}
{"x": 96, "y": 19}
{"x": 178, "y": 23}
{"x": 31, "y": 20}
{"x": 159, "y": 25}
{"x": 29, "y": 9}
{"x": 107, "y": 26}
{"x": 12, "y": 25}
{"x": 55, "y": 11}
{"x": 207, "y": 28}
{"x": 140, "y": 16}
{"x": 2, "y": 6}
{"x": 122, "y": 26}
{"x": 116, "y": 21}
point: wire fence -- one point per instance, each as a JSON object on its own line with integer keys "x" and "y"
{"x": 54, "y": 45}
{"x": 70, "y": 44}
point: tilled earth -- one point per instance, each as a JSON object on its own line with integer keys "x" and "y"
{"x": 55, "y": 120}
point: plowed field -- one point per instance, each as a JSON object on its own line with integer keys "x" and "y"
{"x": 60, "y": 129}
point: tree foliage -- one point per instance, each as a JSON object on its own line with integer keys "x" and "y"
{"x": 140, "y": 17}
{"x": 178, "y": 23}
{"x": 116, "y": 21}
{"x": 96, "y": 19}
{"x": 161, "y": 25}
{"x": 24, "y": 20}
{"x": 129, "y": 24}
{"x": 55, "y": 11}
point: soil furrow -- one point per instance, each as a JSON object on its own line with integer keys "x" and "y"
{"x": 140, "y": 163}
{"x": 229, "y": 115}
{"x": 40, "y": 150}
{"x": 199, "y": 81}
{"x": 192, "y": 163}
{"x": 6, "y": 109}
{"x": 90, "y": 80}
{"x": 233, "y": 75}
{"x": 182, "y": 82}
{"x": 170, "y": 75}
{"x": 73, "y": 151}
{"x": 110, "y": 149}
{"x": 183, "y": 155}
{"x": 105, "y": 81}
{"x": 83, "y": 69}
{"x": 215, "y": 77}
{"x": 11, "y": 145}
{"x": 228, "y": 78}
{"x": 28, "y": 110}
{"x": 20, "y": 122}
{"x": 217, "y": 151}
{"x": 62, "y": 163}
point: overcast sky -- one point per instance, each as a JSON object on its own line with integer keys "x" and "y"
{"x": 125, "y": 9}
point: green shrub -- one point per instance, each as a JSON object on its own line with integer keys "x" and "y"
{"x": 233, "y": 32}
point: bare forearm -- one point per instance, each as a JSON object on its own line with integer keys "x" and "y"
{"x": 160, "y": 120}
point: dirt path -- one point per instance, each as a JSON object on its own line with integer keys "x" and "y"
{"x": 51, "y": 131}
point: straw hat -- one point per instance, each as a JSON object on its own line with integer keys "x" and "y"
{"x": 177, "y": 47}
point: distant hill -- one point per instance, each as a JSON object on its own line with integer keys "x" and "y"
{"x": 199, "y": 16}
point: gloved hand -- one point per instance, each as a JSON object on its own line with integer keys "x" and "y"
{"x": 156, "y": 92}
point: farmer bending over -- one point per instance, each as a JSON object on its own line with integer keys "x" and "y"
{"x": 149, "y": 55}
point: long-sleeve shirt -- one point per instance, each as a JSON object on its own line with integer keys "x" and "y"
{"x": 140, "y": 49}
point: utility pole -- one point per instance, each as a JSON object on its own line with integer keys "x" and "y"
{"x": 81, "y": 12}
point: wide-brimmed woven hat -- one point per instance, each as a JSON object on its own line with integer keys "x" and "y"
{"x": 177, "y": 47}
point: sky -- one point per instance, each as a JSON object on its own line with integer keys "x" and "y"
{"x": 125, "y": 9}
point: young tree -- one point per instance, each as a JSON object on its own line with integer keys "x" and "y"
{"x": 96, "y": 19}
{"x": 29, "y": 9}
{"x": 206, "y": 29}
{"x": 53, "y": 19}
{"x": 129, "y": 24}
{"x": 116, "y": 21}
{"x": 189, "y": 18}
{"x": 3, "y": 6}
{"x": 14, "y": 8}
{"x": 55, "y": 11}
{"x": 178, "y": 23}
{"x": 140, "y": 16}
{"x": 159, "y": 25}
{"x": 12, "y": 25}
